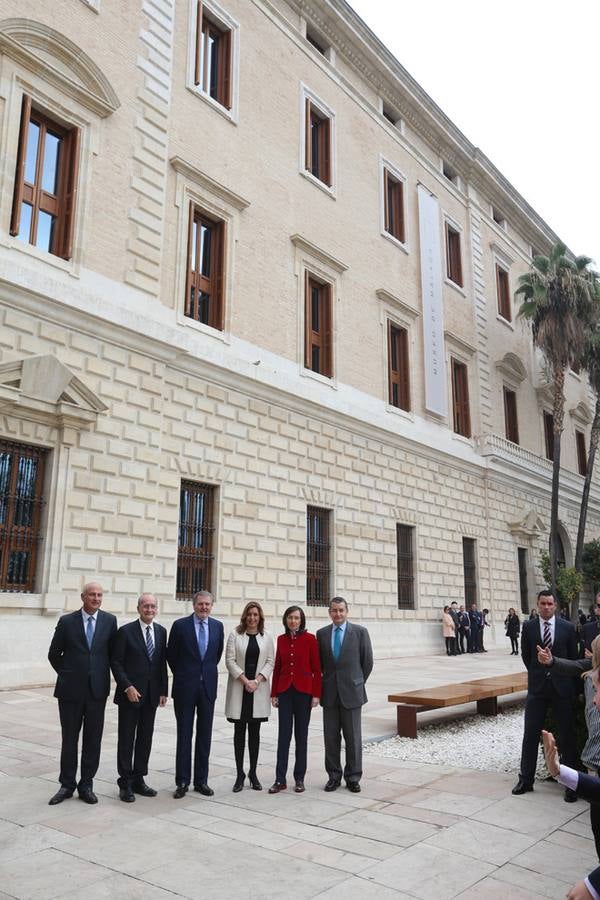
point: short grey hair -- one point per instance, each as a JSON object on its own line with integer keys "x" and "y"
{"x": 146, "y": 594}
{"x": 338, "y": 600}
{"x": 202, "y": 594}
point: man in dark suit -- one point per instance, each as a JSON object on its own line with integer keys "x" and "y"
{"x": 80, "y": 654}
{"x": 475, "y": 626}
{"x": 346, "y": 663}
{"x": 585, "y": 786}
{"x": 194, "y": 650}
{"x": 139, "y": 664}
{"x": 591, "y": 629}
{"x": 545, "y": 687}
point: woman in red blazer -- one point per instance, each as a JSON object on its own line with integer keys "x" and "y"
{"x": 295, "y": 690}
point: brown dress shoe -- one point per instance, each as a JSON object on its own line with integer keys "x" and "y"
{"x": 276, "y": 788}
{"x": 299, "y": 787}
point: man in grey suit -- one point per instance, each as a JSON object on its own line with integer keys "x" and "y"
{"x": 346, "y": 663}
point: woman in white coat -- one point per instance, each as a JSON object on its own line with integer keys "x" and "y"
{"x": 249, "y": 657}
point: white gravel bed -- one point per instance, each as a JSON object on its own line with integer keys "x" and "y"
{"x": 491, "y": 744}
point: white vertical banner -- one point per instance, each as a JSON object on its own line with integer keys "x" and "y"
{"x": 433, "y": 310}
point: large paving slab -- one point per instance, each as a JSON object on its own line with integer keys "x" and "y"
{"x": 416, "y": 830}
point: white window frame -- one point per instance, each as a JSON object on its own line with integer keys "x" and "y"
{"x": 325, "y": 110}
{"x": 222, "y": 19}
{"x": 396, "y": 173}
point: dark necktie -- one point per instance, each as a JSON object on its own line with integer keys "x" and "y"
{"x": 547, "y": 636}
{"x": 149, "y": 642}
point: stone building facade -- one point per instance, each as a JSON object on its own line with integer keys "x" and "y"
{"x": 358, "y": 315}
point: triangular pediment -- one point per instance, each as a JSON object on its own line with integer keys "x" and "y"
{"x": 43, "y": 389}
{"x": 529, "y": 524}
{"x": 60, "y": 61}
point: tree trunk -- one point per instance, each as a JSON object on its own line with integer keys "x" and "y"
{"x": 558, "y": 415}
{"x": 594, "y": 438}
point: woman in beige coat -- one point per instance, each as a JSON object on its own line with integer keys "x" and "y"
{"x": 449, "y": 631}
{"x": 249, "y": 657}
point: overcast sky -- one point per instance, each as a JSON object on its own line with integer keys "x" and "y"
{"x": 521, "y": 80}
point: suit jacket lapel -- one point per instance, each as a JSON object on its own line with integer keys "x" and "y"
{"x": 348, "y": 635}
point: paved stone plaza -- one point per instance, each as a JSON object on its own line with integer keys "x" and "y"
{"x": 416, "y": 830}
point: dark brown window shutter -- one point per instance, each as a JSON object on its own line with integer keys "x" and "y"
{"x": 71, "y": 189}
{"x": 15, "y": 219}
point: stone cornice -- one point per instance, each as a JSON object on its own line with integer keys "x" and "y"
{"x": 59, "y": 61}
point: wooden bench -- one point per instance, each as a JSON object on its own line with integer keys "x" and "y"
{"x": 483, "y": 691}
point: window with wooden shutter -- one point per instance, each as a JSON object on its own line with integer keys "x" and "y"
{"x": 317, "y": 149}
{"x": 398, "y": 368}
{"x": 21, "y": 504}
{"x": 212, "y": 65}
{"x": 523, "y": 587}
{"x": 318, "y": 338}
{"x": 503, "y": 293}
{"x": 405, "y": 566}
{"x": 511, "y": 425}
{"x": 195, "y": 554}
{"x": 393, "y": 203}
{"x": 581, "y": 452}
{"x": 205, "y": 282}
{"x": 549, "y": 434}
{"x": 46, "y": 179}
{"x": 460, "y": 399}
{"x": 453, "y": 258}
{"x": 318, "y": 552}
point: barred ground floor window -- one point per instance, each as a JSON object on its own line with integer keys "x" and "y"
{"x": 196, "y": 539}
{"x": 21, "y": 502}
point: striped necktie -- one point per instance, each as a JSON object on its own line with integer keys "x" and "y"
{"x": 547, "y": 636}
{"x": 149, "y": 642}
{"x": 89, "y": 631}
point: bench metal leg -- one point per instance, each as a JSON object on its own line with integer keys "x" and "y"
{"x": 407, "y": 720}
{"x": 488, "y": 707}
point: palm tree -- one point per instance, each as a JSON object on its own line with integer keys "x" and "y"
{"x": 560, "y": 296}
{"x": 590, "y": 361}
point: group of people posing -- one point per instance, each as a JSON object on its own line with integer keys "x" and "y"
{"x": 330, "y": 668}
{"x": 463, "y": 631}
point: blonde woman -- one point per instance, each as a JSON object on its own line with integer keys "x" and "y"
{"x": 249, "y": 657}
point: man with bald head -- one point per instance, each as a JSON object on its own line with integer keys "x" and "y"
{"x": 139, "y": 664}
{"x": 80, "y": 654}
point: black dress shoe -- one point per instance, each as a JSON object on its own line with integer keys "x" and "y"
{"x": 126, "y": 795}
{"x": 521, "y": 787}
{"x": 256, "y": 785}
{"x": 87, "y": 795}
{"x": 353, "y": 787}
{"x": 332, "y": 785}
{"x": 204, "y": 789}
{"x": 570, "y": 796}
{"x": 180, "y": 791}
{"x": 143, "y": 789}
{"x": 62, "y": 793}
{"x": 299, "y": 787}
{"x": 239, "y": 784}
{"x": 276, "y": 787}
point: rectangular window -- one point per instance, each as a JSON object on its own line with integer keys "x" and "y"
{"x": 522, "y": 553}
{"x": 581, "y": 452}
{"x": 212, "y": 68}
{"x": 205, "y": 281}
{"x": 195, "y": 553}
{"x": 318, "y": 143}
{"x": 393, "y": 205}
{"x": 21, "y": 502}
{"x": 318, "y": 356}
{"x": 44, "y": 200}
{"x": 398, "y": 369}
{"x": 460, "y": 399}
{"x": 549, "y": 434}
{"x": 470, "y": 570}
{"x": 318, "y": 569}
{"x": 503, "y": 292}
{"x": 406, "y": 566}
{"x": 453, "y": 260}
{"x": 511, "y": 424}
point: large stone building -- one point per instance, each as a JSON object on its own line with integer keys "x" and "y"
{"x": 258, "y": 328}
